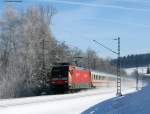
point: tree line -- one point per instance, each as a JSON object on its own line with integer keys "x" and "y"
{"x": 137, "y": 60}
{"x": 28, "y": 50}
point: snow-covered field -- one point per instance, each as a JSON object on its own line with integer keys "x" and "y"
{"x": 58, "y": 104}
{"x": 135, "y": 103}
{"x": 140, "y": 70}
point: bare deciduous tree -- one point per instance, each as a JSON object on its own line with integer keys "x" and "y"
{"x": 21, "y": 35}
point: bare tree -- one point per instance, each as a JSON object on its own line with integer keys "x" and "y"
{"x": 21, "y": 62}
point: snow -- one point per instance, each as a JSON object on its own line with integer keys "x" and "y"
{"x": 141, "y": 70}
{"x": 58, "y": 104}
{"x": 135, "y": 103}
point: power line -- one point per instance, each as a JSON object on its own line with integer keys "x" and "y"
{"x": 105, "y": 46}
{"x": 83, "y": 37}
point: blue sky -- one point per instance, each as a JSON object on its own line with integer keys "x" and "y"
{"x": 78, "y": 22}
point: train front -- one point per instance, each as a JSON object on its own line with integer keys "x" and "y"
{"x": 59, "y": 78}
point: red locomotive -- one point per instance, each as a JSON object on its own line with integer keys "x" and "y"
{"x": 65, "y": 77}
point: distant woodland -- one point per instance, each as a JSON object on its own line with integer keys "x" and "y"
{"x": 138, "y": 60}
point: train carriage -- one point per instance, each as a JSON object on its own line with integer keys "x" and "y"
{"x": 101, "y": 79}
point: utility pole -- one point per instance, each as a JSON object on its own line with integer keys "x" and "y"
{"x": 43, "y": 53}
{"x": 118, "y": 63}
{"x": 94, "y": 62}
{"x": 118, "y": 71}
{"x": 142, "y": 79}
{"x": 43, "y": 59}
{"x": 89, "y": 66}
{"x": 43, "y": 72}
{"x": 137, "y": 78}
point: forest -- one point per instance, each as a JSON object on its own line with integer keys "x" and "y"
{"x": 137, "y": 60}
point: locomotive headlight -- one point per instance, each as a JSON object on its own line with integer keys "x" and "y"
{"x": 66, "y": 81}
{"x": 53, "y": 82}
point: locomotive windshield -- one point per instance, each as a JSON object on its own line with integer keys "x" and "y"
{"x": 60, "y": 71}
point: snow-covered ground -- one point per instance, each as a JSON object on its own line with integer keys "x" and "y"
{"x": 135, "y": 103}
{"x": 58, "y": 104}
{"x": 140, "y": 70}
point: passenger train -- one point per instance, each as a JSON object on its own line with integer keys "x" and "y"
{"x": 66, "y": 77}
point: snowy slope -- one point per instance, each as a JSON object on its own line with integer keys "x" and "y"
{"x": 58, "y": 104}
{"x": 136, "y": 103}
